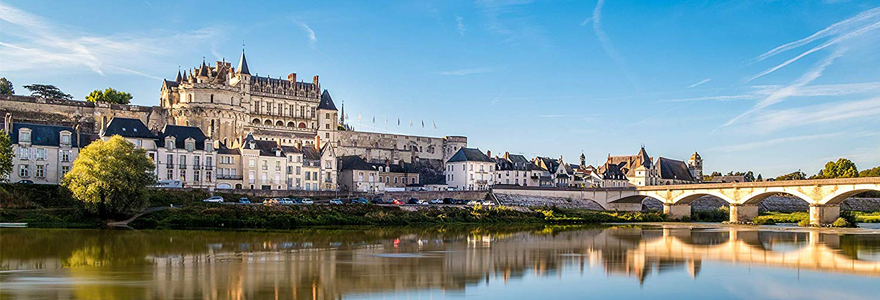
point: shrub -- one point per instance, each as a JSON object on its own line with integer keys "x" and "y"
{"x": 804, "y": 223}
{"x": 841, "y": 222}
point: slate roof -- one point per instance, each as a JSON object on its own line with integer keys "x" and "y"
{"x": 326, "y": 101}
{"x": 395, "y": 168}
{"x": 224, "y": 150}
{"x": 631, "y": 162}
{"x": 310, "y": 153}
{"x": 43, "y": 135}
{"x": 354, "y": 162}
{"x": 613, "y": 171}
{"x": 469, "y": 154}
{"x": 242, "y": 65}
{"x": 126, "y": 127}
{"x": 673, "y": 169}
{"x": 181, "y": 133}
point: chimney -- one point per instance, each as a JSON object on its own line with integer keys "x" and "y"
{"x": 489, "y": 153}
{"x": 317, "y": 142}
{"x": 291, "y": 77}
{"x": 8, "y": 123}
{"x": 315, "y": 80}
{"x": 298, "y": 145}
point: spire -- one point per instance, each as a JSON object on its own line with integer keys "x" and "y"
{"x": 326, "y": 101}
{"x": 182, "y": 79}
{"x": 203, "y": 70}
{"x": 242, "y": 65}
{"x": 178, "y": 76}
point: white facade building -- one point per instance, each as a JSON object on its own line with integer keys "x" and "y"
{"x": 470, "y": 169}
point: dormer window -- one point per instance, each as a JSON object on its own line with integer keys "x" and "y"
{"x": 190, "y": 145}
{"x": 169, "y": 143}
{"x": 24, "y": 136}
{"x": 65, "y": 138}
{"x": 209, "y": 147}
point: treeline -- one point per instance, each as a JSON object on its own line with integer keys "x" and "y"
{"x": 49, "y": 91}
{"x": 842, "y": 168}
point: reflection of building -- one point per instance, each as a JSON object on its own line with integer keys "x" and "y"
{"x": 328, "y": 265}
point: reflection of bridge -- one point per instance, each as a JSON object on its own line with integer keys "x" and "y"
{"x": 823, "y": 195}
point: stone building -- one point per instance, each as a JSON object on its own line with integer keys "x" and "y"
{"x": 642, "y": 170}
{"x": 43, "y": 153}
{"x": 515, "y": 169}
{"x": 357, "y": 175}
{"x": 470, "y": 170}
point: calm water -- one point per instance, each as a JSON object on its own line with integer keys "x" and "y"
{"x": 441, "y": 262}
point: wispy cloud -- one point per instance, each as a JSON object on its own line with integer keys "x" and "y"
{"x": 701, "y": 82}
{"x": 711, "y": 98}
{"x": 818, "y": 114}
{"x": 767, "y": 143}
{"x": 842, "y": 31}
{"x": 463, "y": 72}
{"x": 511, "y": 20}
{"x": 460, "y": 23}
{"x": 607, "y": 45}
{"x": 32, "y": 43}
{"x": 310, "y": 34}
{"x": 783, "y": 93}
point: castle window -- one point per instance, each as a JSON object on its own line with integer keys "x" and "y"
{"x": 302, "y": 125}
{"x": 212, "y": 98}
{"x": 24, "y": 136}
{"x": 256, "y": 121}
{"x": 268, "y": 122}
{"x": 279, "y": 123}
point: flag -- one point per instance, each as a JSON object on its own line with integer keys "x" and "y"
{"x": 374, "y": 119}
{"x": 410, "y": 122}
{"x": 386, "y": 120}
{"x": 435, "y": 124}
{"x": 359, "y": 118}
{"x": 398, "y": 121}
{"x": 423, "y": 123}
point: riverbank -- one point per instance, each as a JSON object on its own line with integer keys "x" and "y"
{"x": 213, "y": 216}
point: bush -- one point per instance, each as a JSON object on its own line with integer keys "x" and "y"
{"x": 717, "y": 215}
{"x": 804, "y": 223}
{"x": 841, "y": 222}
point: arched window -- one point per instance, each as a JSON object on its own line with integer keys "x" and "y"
{"x": 302, "y": 125}
{"x": 279, "y": 123}
{"x": 291, "y": 124}
{"x": 268, "y": 122}
{"x": 256, "y": 121}
{"x": 212, "y": 98}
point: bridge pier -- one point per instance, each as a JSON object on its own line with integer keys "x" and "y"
{"x": 823, "y": 214}
{"x": 677, "y": 211}
{"x": 743, "y": 213}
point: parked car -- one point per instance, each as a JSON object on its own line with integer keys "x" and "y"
{"x": 244, "y": 200}
{"x": 421, "y": 202}
{"x": 473, "y": 202}
{"x": 396, "y": 202}
{"x": 488, "y": 202}
{"x": 437, "y": 201}
{"x": 378, "y": 200}
{"x": 286, "y": 201}
{"x": 270, "y": 201}
{"x": 336, "y": 201}
{"x": 413, "y": 200}
{"x": 448, "y": 201}
{"x": 307, "y": 201}
{"x": 459, "y": 202}
{"x": 25, "y": 181}
{"x": 214, "y": 199}
{"x": 360, "y": 200}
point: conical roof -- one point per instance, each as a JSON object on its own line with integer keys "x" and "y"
{"x": 242, "y": 65}
{"x": 326, "y": 101}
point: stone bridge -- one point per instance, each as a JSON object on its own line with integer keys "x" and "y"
{"x": 823, "y": 195}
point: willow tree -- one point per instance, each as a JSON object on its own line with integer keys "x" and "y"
{"x": 110, "y": 177}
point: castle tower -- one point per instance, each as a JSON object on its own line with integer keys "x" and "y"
{"x": 695, "y": 164}
{"x": 583, "y": 160}
{"x": 327, "y": 117}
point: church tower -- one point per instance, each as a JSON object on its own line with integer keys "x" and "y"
{"x": 695, "y": 164}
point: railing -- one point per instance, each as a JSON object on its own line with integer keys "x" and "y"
{"x": 230, "y": 177}
{"x": 182, "y": 166}
{"x": 197, "y": 167}
{"x": 209, "y": 167}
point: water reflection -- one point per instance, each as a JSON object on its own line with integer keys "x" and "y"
{"x": 343, "y": 263}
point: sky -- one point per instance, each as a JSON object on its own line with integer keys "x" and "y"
{"x": 768, "y": 86}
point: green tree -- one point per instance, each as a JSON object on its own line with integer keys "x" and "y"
{"x": 749, "y": 176}
{"x": 6, "y": 87}
{"x": 872, "y": 172}
{"x": 109, "y": 95}
{"x": 760, "y": 178}
{"x": 842, "y": 168}
{"x": 6, "y": 154}
{"x": 110, "y": 177}
{"x": 793, "y": 176}
{"x": 47, "y": 91}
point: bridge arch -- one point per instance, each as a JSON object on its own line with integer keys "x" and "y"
{"x": 687, "y": 198}
{"x": 839, "y": 196}
{"x": 756, "y": 197}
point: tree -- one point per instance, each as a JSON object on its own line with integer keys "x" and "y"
{"x": 760, "y": 178}
{"x": 109, "y": 95}
{"x": 47, "y": 91}
{"x": 872, "y": 172}
{"x": 6, "y": 87}
{"x": 842, "y": 168}
{"x": 110, "y": 177}
{"x": 749, "y": 176}
{"x": 6, "y": 154}
{"x": 793, "y": 176}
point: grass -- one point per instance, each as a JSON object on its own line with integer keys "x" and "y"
{"x": 867, "y": 217}
{"x": 771, "y": 218}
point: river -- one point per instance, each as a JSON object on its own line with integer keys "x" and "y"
{"x": 531, "y": 262}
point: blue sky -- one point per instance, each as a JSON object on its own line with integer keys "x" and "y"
{"x": 769, "y": 86}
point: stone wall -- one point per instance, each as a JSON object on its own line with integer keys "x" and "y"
{"x": 71, "y": 113}
{"x": 532, "y": 201}
{"x": 426, "y": 195}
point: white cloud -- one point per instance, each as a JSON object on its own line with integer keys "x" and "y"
{"x": 463, "y": 72}
{"x": 460, "y": 22}
{"x": 792, "y": 89}
{"x": 701, "y": 82}
{"x": 605, "y": 41}
{"x": 712, "y": 98}
{"x": 835, "y": 28}
{"x": 32, "y": 43}
{"x": 818, "y": 114}
{"x": 313, "y": 38}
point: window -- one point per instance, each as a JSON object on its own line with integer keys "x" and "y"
{"x": 412, "y": 180}
{"x": 24, "y": 136}
{"x": 328, "y": 164}
{"x": 265, "y": 165}
{"x": 24, "y": 171}
{"x": 264, "y": 177}
{"x": 183, "y": 161}
{"x": 209, "y": 147}
{"x": 209, "y": 161}
{"x": 196, "y": 161}
{"x": 252, "y": 163}
{"x": 65, "y": 155}
{"x": 190, "y": 146}
{"x": 170, "y": 161}
{"x": 371, "y": 177}
{"x": 64, "y": 170}
{"x": 40, "y": 154}
{"x": 196, "y": 176}
{"x": 251, "y": 176}
{"x": 65, "y": 139}
{"x": 23, "y": 153}
{"x": 360, "y": 176}
{"x": 170, "y": 174}
{"x": 309, "y": 175}
{"x": 277, "y": 165}
{"x": 298, "y": 169}
{"x": 169, "y": 143}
